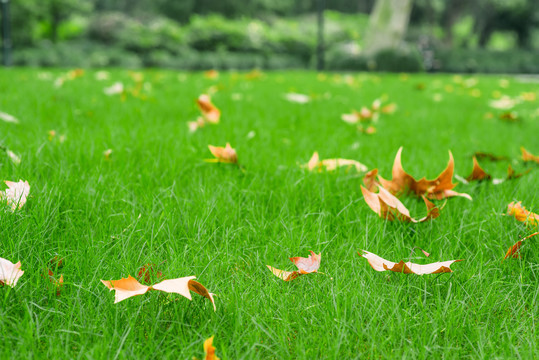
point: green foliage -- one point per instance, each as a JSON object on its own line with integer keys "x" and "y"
{"x": 480, "y": 60}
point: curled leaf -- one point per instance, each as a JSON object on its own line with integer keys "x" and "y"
{"x": 477, "y": 172}
{"x": 380, "y": 264}
{"x": 389, "y": 207}
{"x": 10, "y": 273}
{"x": 521, "y": 214}
{"x": 129, "y": 287}
{"x": 209, "y": 350}
{"x": 305, "y": 266}
{"x": 439, "y": 188}
{"x": 332, "y": 164}
{"x": 514, "y": 251}
{"x": 528, "y": 156}
{"x": 210, "y": 112}
{"x": 225, "y": 154}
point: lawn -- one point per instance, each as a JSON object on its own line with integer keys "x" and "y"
{"x": 156, "y": 201}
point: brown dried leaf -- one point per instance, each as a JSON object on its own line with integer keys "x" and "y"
{"x": 380, "y": 264}
{"x": 210, "y": 112}
{"x": 129, "y": 287}
{"x": 521, "y": 214}
{"x": 528, "y": 156}
{"x": 477, "y": 172}
{"x": 284, "y": 275}
{"x": 389, "y": 207}
{"x": 514, "y": 251}
{"x": 148, "y": 272}
{"x": 439, "y": 188}
{"x": 370, "y": 180}
{"x": 489, "y": 156}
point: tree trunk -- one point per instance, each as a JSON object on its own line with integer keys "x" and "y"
{"x": 388, "y": 23}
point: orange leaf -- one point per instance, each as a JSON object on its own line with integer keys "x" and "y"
{"x": 225, "y": 154}
{"x": 521, "y": 214}
{"x": 305, "y": 265}
{"x": 332, "y": 164}
{"x": 380, "y": 264}
{"x": 210, "y": 112}
{"x": 149, "y": 271}
{"x": 58, "y": 283}
{"x": 477, "y": 172}
{"x": 129, "y": 287}
{"x": 528, "y": 156}
{"x": 370, "y": 180}
{"x": 389, "y": 207}
{"x": 10, "y": 273}
{"x": 309, "y": 264}
{"x": 439, "y": 188}
{"x": 514, "y": 250}
{"x": 209, "y": 350}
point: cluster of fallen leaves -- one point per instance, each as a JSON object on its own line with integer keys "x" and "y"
{"x": 367, "y": 116}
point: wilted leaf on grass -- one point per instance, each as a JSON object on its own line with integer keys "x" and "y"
{"x": 225, "y": 154}
{"x": 211, "y": 74}
{"x": 129, "y": 287}
{"x": 514, "y": 251}
{"x": 477, "y": 172}
{"x": 148, "y": 272}
{"x": 209, "y": 350}
{"x": 16, "y": 194}
{"x": 58, "y": 283}
{"x": 114, "y": 89}
{"x": 389, "y": 207}
{"x": 528, "y": 156}
{"x": 210, "y": 112}
{"x": 380, "y": 264}
{"x": 8, "y": 118}
{"x": 297, "y": 98}
{"x": 521, "y": 214}
{"x": 305, "y": 266}
{"x": 439, "y": 188}
{"x": 332, "y": 164}
{"x": 9, "y": 272}
{"x": 504, "y": 103}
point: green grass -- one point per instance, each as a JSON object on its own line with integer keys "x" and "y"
{"x": 225, "y": 226}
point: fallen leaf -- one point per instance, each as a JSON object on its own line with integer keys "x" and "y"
{"x": 477, "y": 172}
{"x": 297, "y": 98}
{"x": 16, "y": 194}
{"x": 10, "y": 273}
{"x": 332, "y": 164}
{"x": 210, "y": 112}
{"x": 225, "y": 154}
{"x": 369, "y": 130}
{"x": 107, "y": 154}
{"x": 195, "y": 125}
{"x": 309, "y": 264}
{"x": 305, "y": 266}
{"x": 380, "y": 264}
{"x": 129, "y": 287}
{"x": 514, "y": 251}
{"x": 504, "y": 103}
{"x": 58, "y": 283}
{"x": 370, "y": 180}
{"x": 211, "y": 74}
{"x": 209, "y": 350}
{"x": 528, "y": 156}
{"x": 114, "y": 89}
{"x": 512, "y": 175}
{"x": 521, "y": 214}
{"x": 439, "y": 188}
{"x": 389, "y": 207}
{"x": 510, "y": 116}
{"x": 8, "y": 118}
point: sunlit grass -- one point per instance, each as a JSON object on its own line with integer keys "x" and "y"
{"x": 225, "y": 225}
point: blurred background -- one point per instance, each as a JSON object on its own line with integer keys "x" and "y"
{"x": 491, "y": 36}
